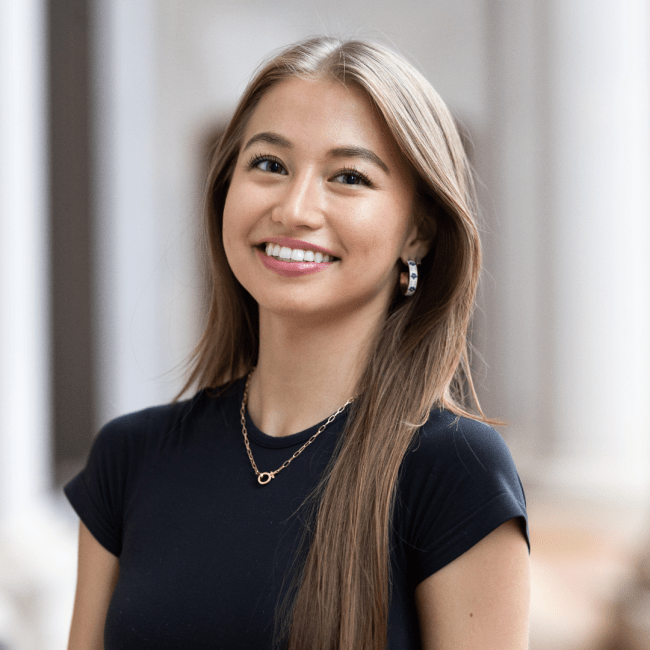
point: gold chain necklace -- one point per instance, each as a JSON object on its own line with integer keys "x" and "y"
{"x": 265, "y": 477}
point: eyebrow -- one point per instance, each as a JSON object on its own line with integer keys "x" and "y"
{"x": 339, "y": 152}
{"x": 359, "y": 152}
{"x": 269, "y": 138}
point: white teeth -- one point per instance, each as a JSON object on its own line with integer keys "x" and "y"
{"x": 296, "y": 254}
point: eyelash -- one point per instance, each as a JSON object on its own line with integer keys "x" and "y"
{"x": 258, "y": 158}
{"x": 352, "y": 171}
{"x": 347, "y": 171}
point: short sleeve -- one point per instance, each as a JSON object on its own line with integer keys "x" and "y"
{"x": 458, "y": 484}
{"x": 97, "y": 493}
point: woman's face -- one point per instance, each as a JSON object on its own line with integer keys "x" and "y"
{"x": 318, "y": 175}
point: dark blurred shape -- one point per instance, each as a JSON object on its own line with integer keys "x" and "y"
{"x": 71, "y": 201}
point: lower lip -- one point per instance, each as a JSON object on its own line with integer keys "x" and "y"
{"x": 291, "y": 269}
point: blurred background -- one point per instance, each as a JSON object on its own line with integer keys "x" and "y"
{"x": 107, "y": 111}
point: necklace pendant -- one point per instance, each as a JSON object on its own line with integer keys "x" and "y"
{"x": 264, "y": 477}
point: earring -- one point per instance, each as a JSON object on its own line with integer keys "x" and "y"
{"x": 408, "y": 280}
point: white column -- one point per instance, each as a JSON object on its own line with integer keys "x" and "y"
{"x": 129, "y": 244}
{"x": 24, "y": 313}
{"x": 598, "y": 264}
{"x": 568, "y": 289}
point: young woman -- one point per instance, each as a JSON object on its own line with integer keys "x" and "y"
{"x": 326, "y": 488}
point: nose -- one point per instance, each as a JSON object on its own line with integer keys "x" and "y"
{"x": 300, "y": 205}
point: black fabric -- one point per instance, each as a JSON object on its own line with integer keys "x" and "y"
{"x": 205, "y": 551}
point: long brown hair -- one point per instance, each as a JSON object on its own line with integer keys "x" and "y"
{"x": 419, "y": 359}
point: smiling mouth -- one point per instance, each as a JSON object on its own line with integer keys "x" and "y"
{"x": 286, "y": 254}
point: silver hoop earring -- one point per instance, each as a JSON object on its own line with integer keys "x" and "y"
{"x": 408, "y": 280}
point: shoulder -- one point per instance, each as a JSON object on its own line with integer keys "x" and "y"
{"x": 127, "y": 452}
{"x": 456, "y": 470}
{"x": 450, "y": 444}
{"x": 458, "y": 483}
{"x": 444, "y": 427}
{"x": 131, "y": 440}
{"x": 160, "y": 425}
{"x": 144, "y": 426}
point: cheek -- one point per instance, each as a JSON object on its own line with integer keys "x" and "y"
{"x": 235, "y": 226}
{"x": 381, "y": 232}
{"x": 236, "y": 213}
{"x": 245, "y": 205}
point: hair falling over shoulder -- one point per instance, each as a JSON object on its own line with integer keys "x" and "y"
{"x": 341, "y": 592}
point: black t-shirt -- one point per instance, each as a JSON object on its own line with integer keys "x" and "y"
{"x": 205, "y": 551}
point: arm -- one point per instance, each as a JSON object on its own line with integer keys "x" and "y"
{"x": 481, "y": 600}
{"x": 96, "y": 579}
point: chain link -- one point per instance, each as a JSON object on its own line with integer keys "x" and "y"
{"x": 265, "y": 477}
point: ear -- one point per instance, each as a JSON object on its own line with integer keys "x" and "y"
{"x": 417, "y": 246}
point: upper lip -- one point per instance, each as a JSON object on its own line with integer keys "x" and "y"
{"x": 289, "y": 242}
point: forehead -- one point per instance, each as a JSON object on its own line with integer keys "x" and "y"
{"x": 324, "y": 113}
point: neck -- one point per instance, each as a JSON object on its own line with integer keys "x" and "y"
{"x": 305, "y": 372}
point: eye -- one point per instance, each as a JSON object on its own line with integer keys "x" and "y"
{"x": 351, "y": 177}
{"x": 267, "y": 164}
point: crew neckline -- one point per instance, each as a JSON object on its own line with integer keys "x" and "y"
{"x": 265, "y": 440}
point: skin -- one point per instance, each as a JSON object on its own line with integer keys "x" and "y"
{"x": 317, "y": 164}
{"x": 481, "y": 600}
{"x": 97, "y": 575}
